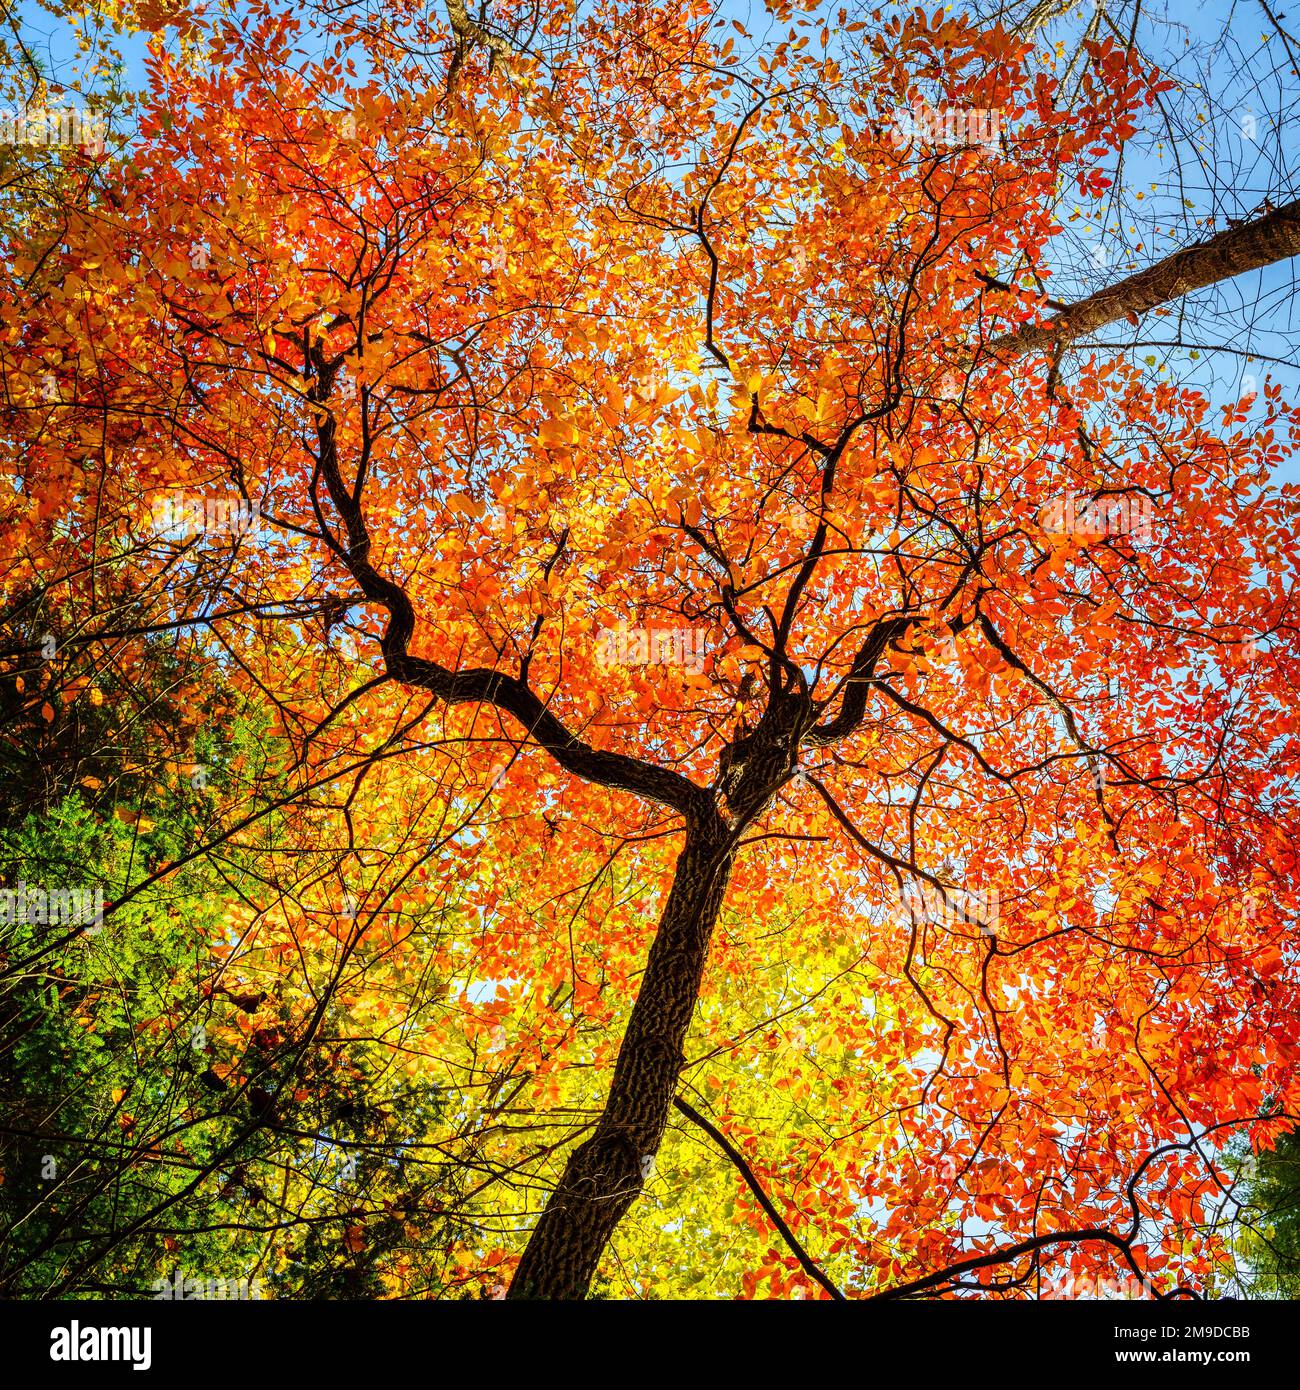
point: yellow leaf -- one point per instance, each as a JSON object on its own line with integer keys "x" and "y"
{"x": 557, "y": 432}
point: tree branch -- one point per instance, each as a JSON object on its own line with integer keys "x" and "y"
{"x": 810, "y": 1266}
{"x": 479, "y": 685}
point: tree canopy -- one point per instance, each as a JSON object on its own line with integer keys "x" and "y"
{"x": 658, "y": 712}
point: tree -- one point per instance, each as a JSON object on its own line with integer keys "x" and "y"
{"x": 679, "y": 448}
{"x": 173, "y": 1090}
{"x": 1268, "y": 1215}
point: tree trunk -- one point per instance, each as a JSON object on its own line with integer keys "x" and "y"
{"x": 606, "y": 1173}
{"x": 1252, "y": 245}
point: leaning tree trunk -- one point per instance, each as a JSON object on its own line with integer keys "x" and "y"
{"x": 1249, "y": 246}
{"x": 606, "y": 1173}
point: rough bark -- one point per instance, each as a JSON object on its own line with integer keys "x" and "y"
{"x": 1273, "y": 237}
{"x": 478, "y": 31}
{"x": 606, "y": 1173}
